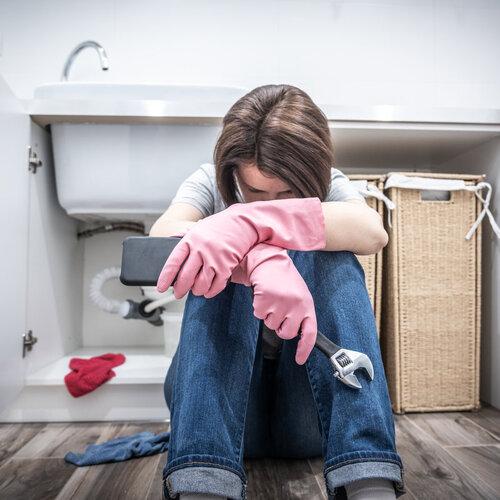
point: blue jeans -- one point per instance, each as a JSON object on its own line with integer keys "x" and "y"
{"x": 228, "y": 403}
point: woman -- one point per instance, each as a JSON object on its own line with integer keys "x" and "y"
{"x": 235, "y": 388}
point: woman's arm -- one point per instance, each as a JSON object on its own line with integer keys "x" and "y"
{"x": 177, "y": 217}
{"x": 352, "y": 225}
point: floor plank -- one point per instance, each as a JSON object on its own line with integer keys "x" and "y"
{"x": 317, "y": 465}
{"x": 131, "y": 479}
{"x": 15, "y": 436}
{"x": 297, "y": 480}
{"x": 40, "y": 478}
{"x": 484, "y": 461}
{"x": 431, "y": 472}
{"x": 488, "y": 418}
{"x": 55, "y": 440}
{"x": 452, "y": 428}
{"x": 260, "y": 479}
{"x": 154, "y": 492}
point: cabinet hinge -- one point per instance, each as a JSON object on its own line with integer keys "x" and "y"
{"x": 33, "y": 161}
{"x": 28, "y": 342}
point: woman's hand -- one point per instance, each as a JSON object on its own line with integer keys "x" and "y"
{"x": 281, "y": 297}
{"x": 206, "y": 257}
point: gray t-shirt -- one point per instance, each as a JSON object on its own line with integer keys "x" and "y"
{"x": 200, "y": 190}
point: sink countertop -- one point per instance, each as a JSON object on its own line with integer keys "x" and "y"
{"x": 45, "y": 111}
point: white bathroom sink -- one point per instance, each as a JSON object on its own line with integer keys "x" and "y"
{"x": 137, "y": 91}
{"x": 121, "y": 150}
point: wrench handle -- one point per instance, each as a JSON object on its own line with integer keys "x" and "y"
{"x": 324, "y": 344}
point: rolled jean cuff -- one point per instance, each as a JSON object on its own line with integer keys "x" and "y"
{"x": 340, "y": 475}
{"x": 210, "y": 478}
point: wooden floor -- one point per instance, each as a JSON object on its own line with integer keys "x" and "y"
{"x": 446, "y": 456}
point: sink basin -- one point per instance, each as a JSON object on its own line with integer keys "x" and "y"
{"x": 137, "y": 91}
{"x": 121, "y": 150}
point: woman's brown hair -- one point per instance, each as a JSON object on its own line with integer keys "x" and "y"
{"x": 281, "y": 130}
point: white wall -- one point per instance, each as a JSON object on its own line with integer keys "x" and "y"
{"x": 426, "y": 52}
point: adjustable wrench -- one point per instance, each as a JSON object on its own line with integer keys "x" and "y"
{"x": 344, "y": 361}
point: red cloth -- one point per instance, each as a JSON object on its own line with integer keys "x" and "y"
{"x": 88, "y": 374}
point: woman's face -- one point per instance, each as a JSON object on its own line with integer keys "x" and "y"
{"x": 255, "y": 186}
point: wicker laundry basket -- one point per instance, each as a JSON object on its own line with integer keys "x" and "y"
{"x": 372, "y": 264}
{"x": 432, "y": 299}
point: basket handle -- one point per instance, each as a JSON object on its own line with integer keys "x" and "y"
{"x": 368, "y": 190}
{"x": 406, "y": 182}
{"x": 486, "y": 210}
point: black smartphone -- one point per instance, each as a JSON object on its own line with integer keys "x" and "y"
{"x": 143, "y": 258}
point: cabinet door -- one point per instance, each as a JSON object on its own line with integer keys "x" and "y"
{"x": 14, "y": 199}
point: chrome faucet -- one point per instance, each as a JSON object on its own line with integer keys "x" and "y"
{"x": 103, "y": 57}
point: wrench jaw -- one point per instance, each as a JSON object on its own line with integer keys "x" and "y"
{"x": 351, "y": 380}
{"x": 345, "y": 362}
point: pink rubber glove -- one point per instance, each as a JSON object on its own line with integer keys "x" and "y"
{"x": 281, "y": 297}
{"x": 207, "y": 255}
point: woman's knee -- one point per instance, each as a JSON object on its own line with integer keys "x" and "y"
{"x": 328, "y": 265}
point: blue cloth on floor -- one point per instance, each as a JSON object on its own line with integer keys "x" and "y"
{"x": 141, "y": 444}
